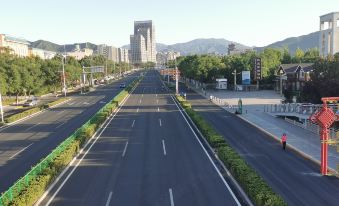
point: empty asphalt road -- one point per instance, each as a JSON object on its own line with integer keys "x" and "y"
{"x": 22, "y": 145}
{"x": 147, "y": 155}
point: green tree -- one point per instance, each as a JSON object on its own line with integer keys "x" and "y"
{"x": 298, "y": 56}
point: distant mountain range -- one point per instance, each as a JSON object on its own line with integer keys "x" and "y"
{"x": 304, "y": 42}
{"x": 200, "y": 46}
{"x": 46, "y": 45}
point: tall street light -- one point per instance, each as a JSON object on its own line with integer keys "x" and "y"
{"x": 63, "y": 75}
{"x": 1, "y": 110}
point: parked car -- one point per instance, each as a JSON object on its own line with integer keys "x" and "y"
{"x": 30, "y": 103}
{"x": 122, "y": 85}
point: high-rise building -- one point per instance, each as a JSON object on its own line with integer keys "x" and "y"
{"x": 110, "y": 52}
{"x": 123, "y": 55}
{"x": 329, "y": 34}
{"x": 143, "y": 45}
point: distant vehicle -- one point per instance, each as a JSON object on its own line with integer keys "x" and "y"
{"x": 122, "y": 85}
{"x": 30, "y": 103}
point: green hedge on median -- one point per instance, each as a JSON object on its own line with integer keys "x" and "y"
{"x": 256, "y": 187}
{"x": 38, "y": 186}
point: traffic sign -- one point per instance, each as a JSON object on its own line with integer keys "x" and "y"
{"x": 281, "y": 71}
{"x": 257, "y": 69}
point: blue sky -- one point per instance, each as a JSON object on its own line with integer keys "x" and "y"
{"x": 253, "y": 23}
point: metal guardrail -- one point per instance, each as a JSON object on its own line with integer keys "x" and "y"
{"x": 24, "y": 181}
{"x": 299, "y": 108}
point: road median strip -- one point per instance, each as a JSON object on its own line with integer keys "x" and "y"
{"x": 28, "y": 189}
{"x": 255, "y": 186}
{"x": 33, "y": 111}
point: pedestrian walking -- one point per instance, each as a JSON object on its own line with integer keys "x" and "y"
{"x": 283, "y": 140}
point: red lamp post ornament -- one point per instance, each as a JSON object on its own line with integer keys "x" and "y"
{"x": 325, "y": 117}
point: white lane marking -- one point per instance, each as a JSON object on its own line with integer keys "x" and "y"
{"x": 80, "y": 160}
{"x": 61, "y": 112}
{"x": 215, "y": 167}
{"x": 138, "y": 110}
{"x": 102, "y": 102}
{"x": 140, "y": 101}
{"x": 156, "y": 95}
{"x": 20, "y": 151}
{"x": 142, "y": 95}
{"x": 124, "y": 152}
{"x": 158, "y": 109}
{"x": 85, "y": 103}
{"x": 109, "y": 198}
{"x": 60, "y": 125}
{"x": 160, "y": 122}
{"x": 32, "y": 126}
{"x": 71, "y": 103}
{"x": 164, "y": 147}
{"x": 171, "y": 196}
{"x": 133, "y": 123}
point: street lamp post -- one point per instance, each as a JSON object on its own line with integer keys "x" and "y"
{"x": 63, "y": 74}
{"x": 235, "y": 78}
{"x": 176, "y": 77}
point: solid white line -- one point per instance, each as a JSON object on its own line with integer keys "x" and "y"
{"x": 60, "y": 125}
{"x": 124, "y": 152}
{"x": 215, "y": 167}
{"x": 158, "y": 109}
{"x": 109, "y": 198}
{"x": 133, "y": 123}
{"x": 160, "y": 122}
{"x": 32, "y": 126}
{"x": 20, "y": 151}
{"x": 75, "y": 158}
{"x": 164, "y": 147}
{"x": 138, "y": 110}
{"x": 171, "y": 196}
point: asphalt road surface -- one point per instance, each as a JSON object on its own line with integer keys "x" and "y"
{"x": 296, "y": 179}
{"x": 24, "y": 144}
{"x": 147, "y": 155}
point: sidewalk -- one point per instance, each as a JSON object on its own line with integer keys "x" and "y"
{"x": 302, "y": 140}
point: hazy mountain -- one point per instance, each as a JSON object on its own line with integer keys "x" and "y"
{"x": 304, "y": 42}
{"x": 204, "y": 46}
{"x": 199, "y": 46}
{"x": 46, "y": 45}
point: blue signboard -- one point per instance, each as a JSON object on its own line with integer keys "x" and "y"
{"x": 246, "y": 79}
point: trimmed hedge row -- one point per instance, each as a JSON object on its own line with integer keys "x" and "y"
{"x": 256, "y": 187}
{"x": 34, "y": 110}
{"x": 38, "y": 186}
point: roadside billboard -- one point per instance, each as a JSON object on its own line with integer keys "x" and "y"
{"x": 246, "y": 78}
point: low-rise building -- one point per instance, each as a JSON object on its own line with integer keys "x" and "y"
{"x": 295, "y": 76}
{"x": 78, "y": 53}
{"x": 18, "y": 46}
